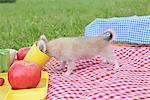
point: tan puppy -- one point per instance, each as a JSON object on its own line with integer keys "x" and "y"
{"x": 69, "y": 50}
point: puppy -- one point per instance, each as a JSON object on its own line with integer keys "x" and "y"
{"x": 69, "y": 50}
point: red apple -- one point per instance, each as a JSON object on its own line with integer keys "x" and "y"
{"x": 22, "y": 53}
{"x": 2, "y": 81}
{"x": 24, "y": 75}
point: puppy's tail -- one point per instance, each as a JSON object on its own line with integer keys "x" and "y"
{"x": 109, "y": 35}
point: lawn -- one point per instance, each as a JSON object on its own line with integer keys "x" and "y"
{"x": 21, "y": 23}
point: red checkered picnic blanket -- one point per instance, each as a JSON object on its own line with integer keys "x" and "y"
{"x": 93, "y": 80}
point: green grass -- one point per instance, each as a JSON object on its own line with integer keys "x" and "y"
{"x": 21, "y": 23}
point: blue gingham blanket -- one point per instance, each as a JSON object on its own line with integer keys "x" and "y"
{"x": 133, "y": 29}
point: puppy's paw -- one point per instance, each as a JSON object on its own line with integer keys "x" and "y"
{"x": 116, "y": 68}
{"x": 105, "y": 61}
{"x": 59, "y": 68}
{"x": 66, "y": 74}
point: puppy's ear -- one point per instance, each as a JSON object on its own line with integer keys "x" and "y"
{"x": 43, "y": 37}
{"x": 41, "y": 44}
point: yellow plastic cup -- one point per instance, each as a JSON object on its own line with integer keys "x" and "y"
{"x": 36, "y": 56}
